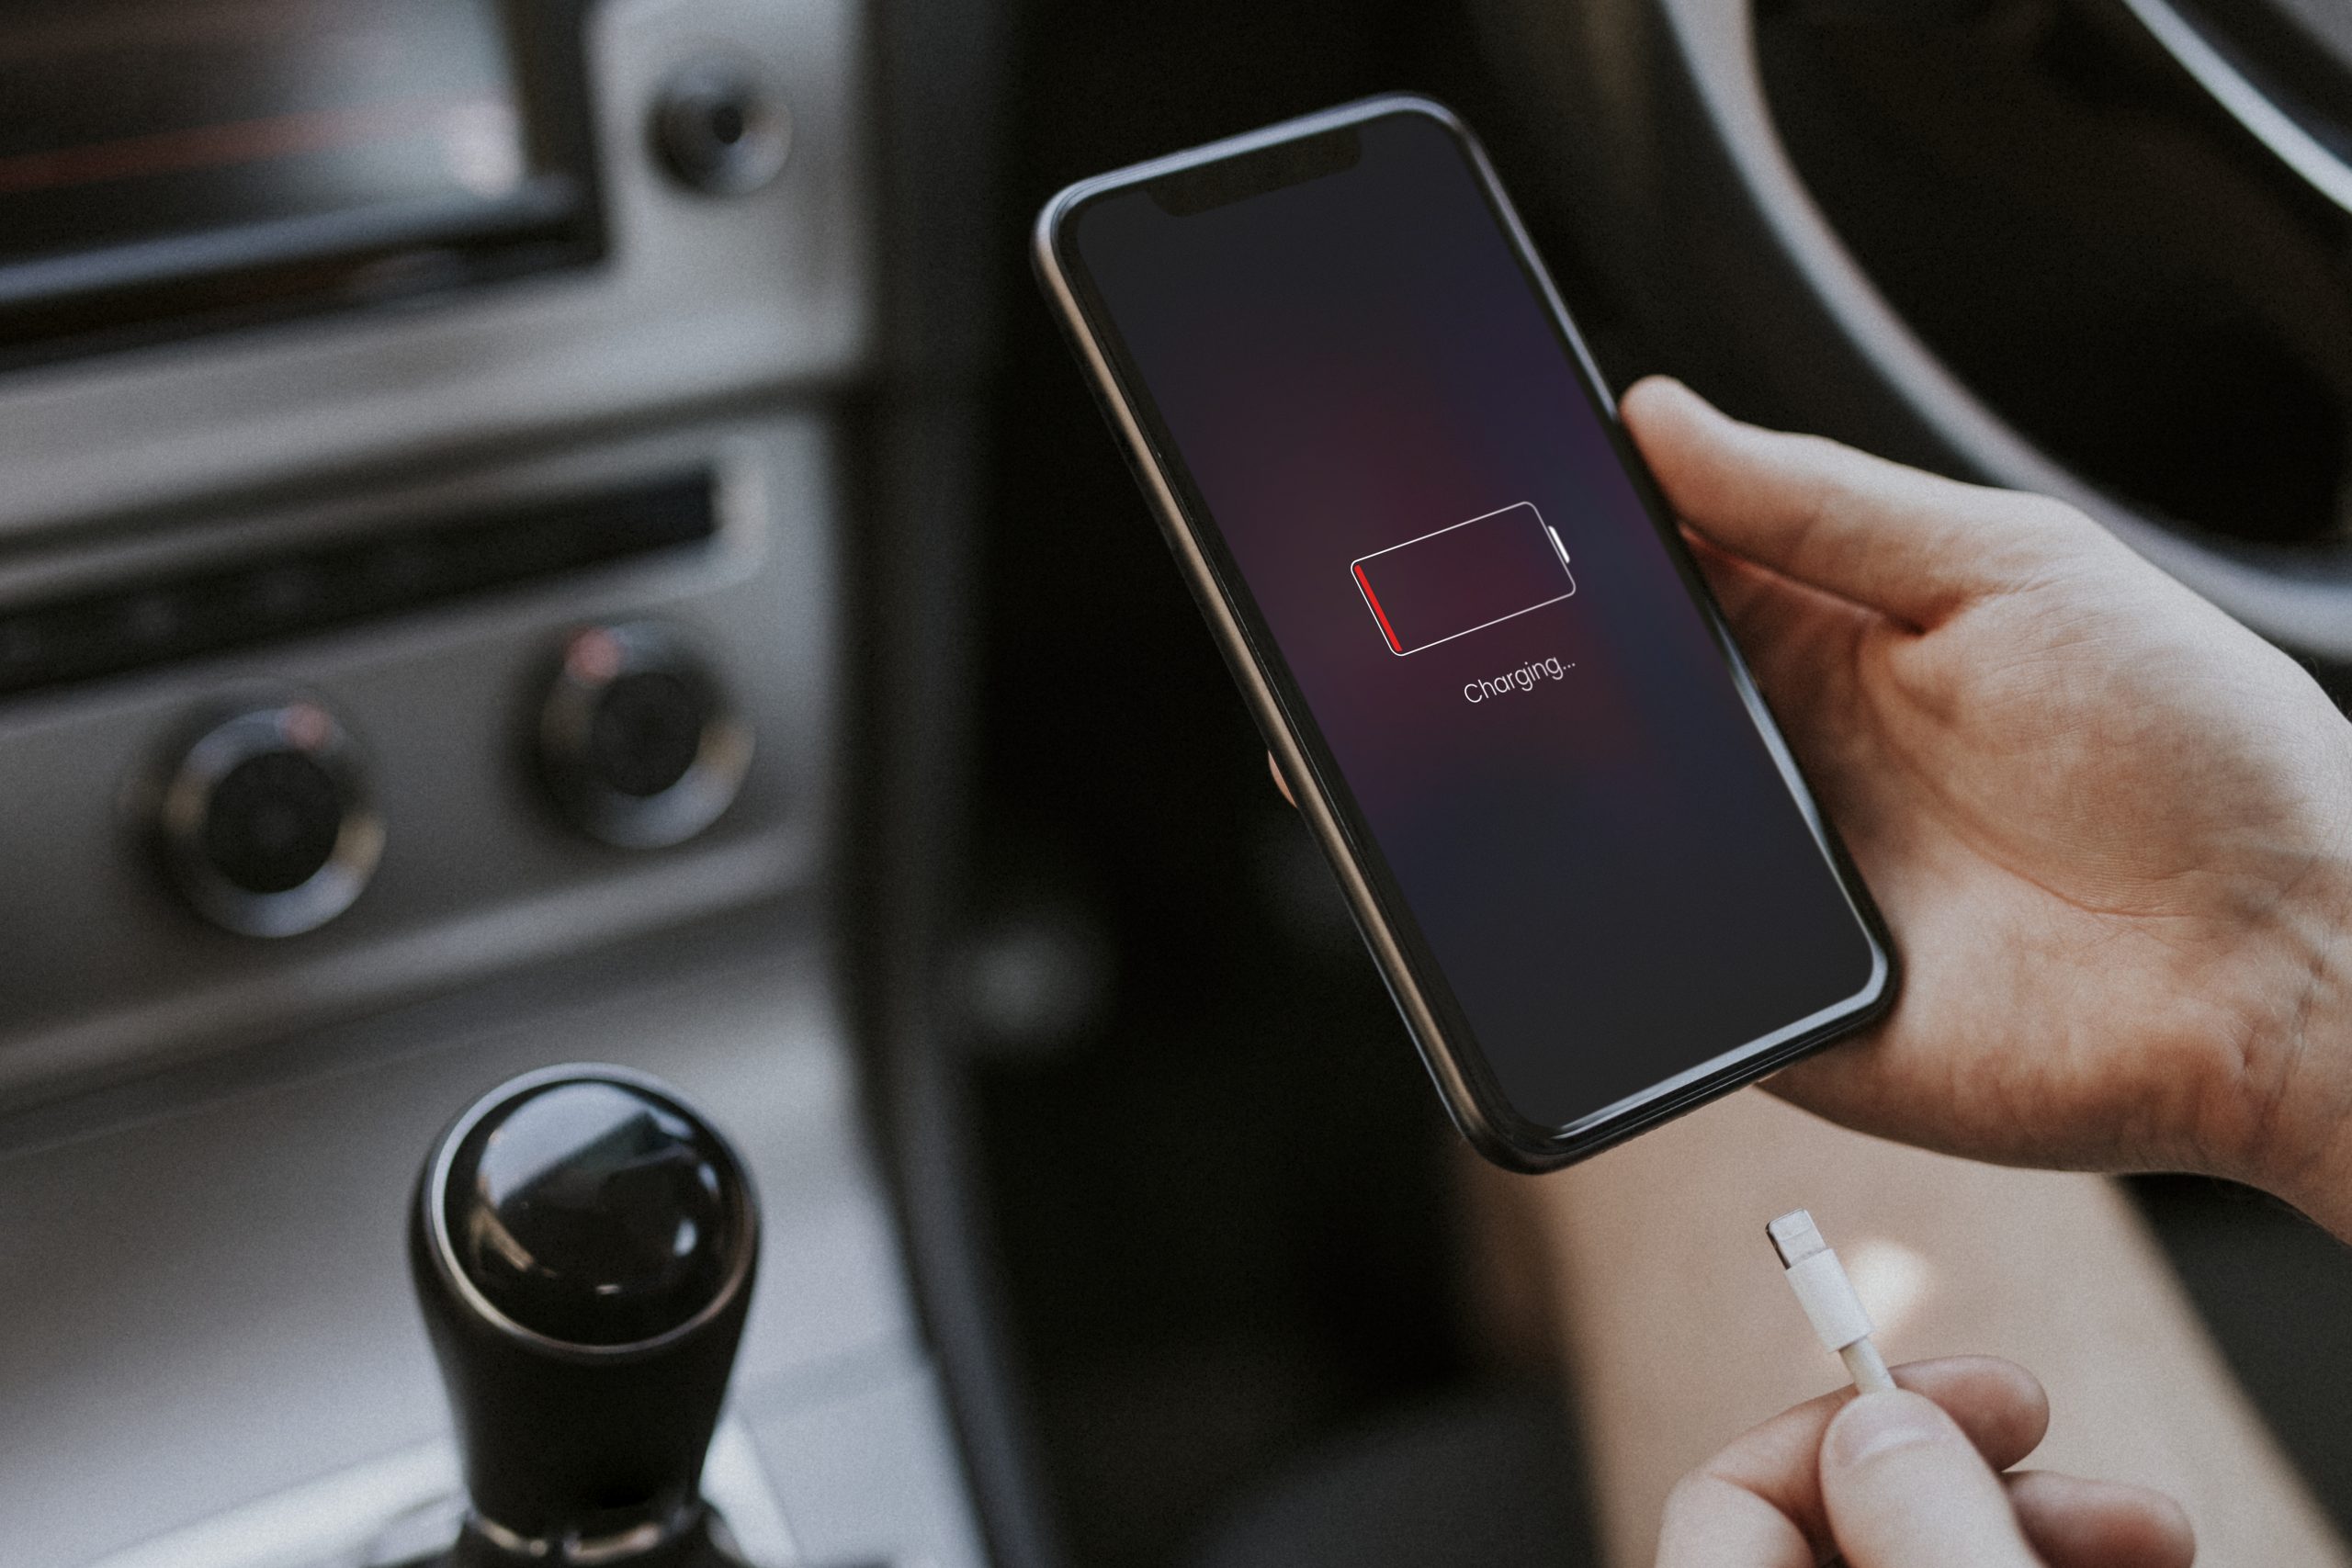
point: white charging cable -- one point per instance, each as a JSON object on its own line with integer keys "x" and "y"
{"x": 1829, "y": 1298}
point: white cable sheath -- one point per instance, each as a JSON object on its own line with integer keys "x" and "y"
{"x": 1866, "y": 1367}
{"x": 1828, "y": 1299}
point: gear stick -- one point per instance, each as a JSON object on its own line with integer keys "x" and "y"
{"x": 584, "y": 1244}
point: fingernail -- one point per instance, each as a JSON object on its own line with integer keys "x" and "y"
{"x": 1880, "y": 1423}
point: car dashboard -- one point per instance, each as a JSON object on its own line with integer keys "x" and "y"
{"x": 432, "y": 437}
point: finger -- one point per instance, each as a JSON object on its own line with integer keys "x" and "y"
{"x": 1907, "y": 543}
{"x": 1998, "y": 1405}
{"x": 1798, "y": 640}
{"x": 1904, "y": 1487}
{"x": 1711, "y": 1522}
{"x": 1280, "y": 782}
{"x": 2075, "y": 1523}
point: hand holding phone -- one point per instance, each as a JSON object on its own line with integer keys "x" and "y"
{"x": 1587, "y": 867}
{"x": 2114, "y": 826}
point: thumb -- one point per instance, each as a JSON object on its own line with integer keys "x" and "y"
{"x": 1904, "y": 1488}
{"x": 1897, "y": 540}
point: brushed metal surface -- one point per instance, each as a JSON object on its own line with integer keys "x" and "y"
{"x": 108, "y": 971}
{"x": 699, "y": 297}
{"x": 209, "y": 1302}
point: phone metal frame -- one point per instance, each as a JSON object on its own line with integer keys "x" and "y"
{"x": 1472, "y": 1099}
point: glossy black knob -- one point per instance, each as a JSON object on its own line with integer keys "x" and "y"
{"x": 637, "y": 742}
{"x": 584, "y": 1244}
{"x": 267, "y": 825}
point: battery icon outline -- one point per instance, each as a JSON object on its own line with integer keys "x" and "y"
{"x": 1380, "y": 616}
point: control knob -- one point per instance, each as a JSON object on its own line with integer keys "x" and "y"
{"x": 721, "y": 128}
{"x": 637, "y": 741}
{"x": 267, "y": 824}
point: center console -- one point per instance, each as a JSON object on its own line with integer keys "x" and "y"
{"x": 427, "y": 447}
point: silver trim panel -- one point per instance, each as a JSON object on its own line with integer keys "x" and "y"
{"x": 699, "y": 298}
{"x": 109, "y": 970}
{"x": 224, "y": 1311}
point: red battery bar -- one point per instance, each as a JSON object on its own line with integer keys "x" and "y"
{"x": 1464, "y": 579}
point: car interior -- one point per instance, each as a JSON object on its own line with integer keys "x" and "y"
{"x": 554, "y": 531}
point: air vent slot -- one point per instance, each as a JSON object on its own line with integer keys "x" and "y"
{"x": 226, "y": 604}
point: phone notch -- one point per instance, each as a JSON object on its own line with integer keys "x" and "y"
{"x": 1184, "y": 192}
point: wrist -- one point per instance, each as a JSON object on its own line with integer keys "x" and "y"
{"x": 2292, "y": 1121}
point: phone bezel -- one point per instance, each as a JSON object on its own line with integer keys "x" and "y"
{"x": 1447, "y": 1044}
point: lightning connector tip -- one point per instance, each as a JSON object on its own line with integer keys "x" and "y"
{"x": 1795, "y": 1238}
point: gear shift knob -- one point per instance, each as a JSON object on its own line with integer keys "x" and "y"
{"x": 584, "y": 1244}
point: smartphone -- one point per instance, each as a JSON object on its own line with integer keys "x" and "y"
{"x": 1488, "y": 669}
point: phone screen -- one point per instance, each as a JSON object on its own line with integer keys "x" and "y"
{"x": 1406, "y": 483}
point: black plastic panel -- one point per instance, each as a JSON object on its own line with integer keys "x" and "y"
{"x": 237, "y": 603}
